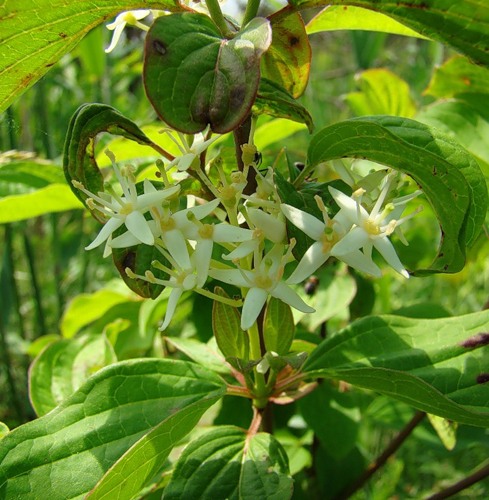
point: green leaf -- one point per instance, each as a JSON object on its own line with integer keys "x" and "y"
{"x": 461, "y": 24}
{"x": 275, "y": 101}
{"x": 4, "y": 430}
{"x": 194, "y": 77}
{"x": 458, "y": 76}
{"x": 337, "y": 17}
{"x": 88, "y": 307}
{"x": 466, "y": 123}
{"x": 275, "y": 131}
{"x": 446, "y": 430}
{"x": 35, "y": 35}
{"x": 130, "y": 404}
{"x": 205, "y": 354}
{"x": 227, "y": 463}
{"x": 278, "y": 327}
{"x": 449, "y": 177}
{"x": 52, "y": 198}
{"x": 226, "y": 326}
{"x": 381, "y": 93}
{"x": 436, "y": 365}
{"x": 288, "y": 59}
{"x": 63, "y": 366}
{"x": 79, "y": 162}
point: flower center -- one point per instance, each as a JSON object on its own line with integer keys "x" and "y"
{"x": 264, "y": 282}
{"x": 206, "y": 231}
{"x": 371, "y": 227}
{"x": 126, "y": 209}
{"x": 167, "y": 223}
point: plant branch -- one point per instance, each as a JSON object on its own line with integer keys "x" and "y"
{"x": 393, "y": 446}
{"x": 251, "y": 11}
{"x": 216, "y": 14}
{"x": 477, "y": 476}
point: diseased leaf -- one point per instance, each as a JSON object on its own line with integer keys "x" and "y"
{"x": 458, "y": 76}
{"x": 195, "y": 78}
{"x": 449, "y": 177}
{"x": 125, "y": 411}
{"x": 287, "y": 62}
{"x": 79, "y": 162}
{"x": 35, "y": 35}
{"x": 461, "y": 24}
{"x": 436, "y": 365}
{"x": 226, "y": 463}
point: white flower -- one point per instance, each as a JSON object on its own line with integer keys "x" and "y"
{"x": 128, "y": 209}
{"x": 189, "y": 152}
{"x": 131, "y": 17}
{"x": 371, "y": 229}
{"x": 264, "y": 280}
{"x": 326, "y": 234}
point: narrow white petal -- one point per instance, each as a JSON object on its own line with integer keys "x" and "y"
{"x": 138, "y": 226}
{"x": 307, "y": 223}
{"x": 232, "y": 276}
{"x": 242, "y": 250}
{"x": 177, "y": 246}
{"x": 253, "y": 304}
{"x": 351, "y": 209}
{"x": 357, "y": 260}
{"x": 125, "y": 240}
{"x": 272, "y": 227}
{"x": 226, "y": 233}
{"x": 185, "y": 161}
{"x": 175, "y": 295}
{"x": 140, "y": 13}
{"x": 353, "y": 240}
{"x": 287, "y": 295}
{"x": 202, "y": 260}
{"x": 387, "y": 250}
{"x": 310, "y": 262}
{"x": 150, "y": 199}
{"x": 118, "y": 29}
{"x": 108, "y": 228}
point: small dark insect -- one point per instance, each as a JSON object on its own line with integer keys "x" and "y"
{"x": 257, "y": 159}
{"x": 311, "y": 285}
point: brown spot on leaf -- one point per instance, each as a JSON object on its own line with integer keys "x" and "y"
{"x": 62, "y": 35}
{"x": 129, "y": 261}
{"x": 482, "y": 378}
{"x": 477, "y": 340}
{"x": 293, "y": 41}
{"x": 159, "y": 47}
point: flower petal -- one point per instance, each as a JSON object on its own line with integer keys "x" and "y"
{"x": 177, "y": 246}
{"x": 387, "y": 250}
{"x": 226, "y": 233}
{"x": 355, "y": 212}
{"x": 287, "y": 295}
{"x": 152, "y": 198}
{"x": 310, "y": 262}
{"x": 272, "y": 227}
{"x": 175, "y": 295}
{"x": 202, "y": 260}
{"x": 242, "y": 250}
{"x": 232, "y": 277}
{"x": 139, "y": 227}
{"x": 307, "y": 223}
{"x": 108, "y": 228}
{"x": 353, "y": 240}
{"x": 357, "y": 260}
{"x": 253, "y": 304}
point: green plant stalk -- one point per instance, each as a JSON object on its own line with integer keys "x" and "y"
{"x": 36, "y": 290}
{"x": 251, "y": 11}
{"x": 216, "y": 14}
{"x": 9, "y": 264}
{"x": 260, "y": 389}
{"x": 7, "y": 363}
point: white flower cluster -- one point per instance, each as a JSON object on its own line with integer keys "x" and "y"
{"x": 253, "y": 258}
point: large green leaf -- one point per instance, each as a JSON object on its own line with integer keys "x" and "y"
{"x": 130, "y": 404}
{"x": 335, "y": 17}
{"x": 461, "y": 24}
{"x": 63, "y": 366}
{"x": 458, "y": 76}
{"x": 288, "y": 60}
{"x": 226, "y": 462}
{"x": 35, "y": 35}
{"x": 450, "y": 178}
{"x": 437, "y": 365}
{"x": 194, "y": 77}
{"x": 381, "y": 93}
